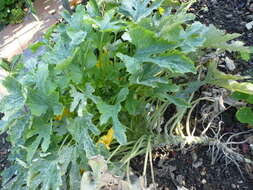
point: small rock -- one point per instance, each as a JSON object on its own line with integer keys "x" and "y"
{"x": 233, "y": 186}
{"x": 249, "y": 25}
{"x": 230, "y": 64}
{"x": 52, "y": 12}
{"x": 229, "y": 15}
{"x": 251, "y": 147}
{"x": 194, "y": 156}
{"x": 203, "y": 172}
{"x": 203, "y": 181}
{"x": 197, "y": 163}
{"x": 180, "y": 180}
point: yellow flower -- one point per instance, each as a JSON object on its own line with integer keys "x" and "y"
{"x": 99, "y": 63}
{"x": 65, "y": 113}
{"x": 107, "y": 139}
{"x": 161, "y": 10}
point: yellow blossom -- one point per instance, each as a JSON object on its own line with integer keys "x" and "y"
{"x": 161, "y": 10}
{"x": 99, "y": 63}
{"x": 65, "y": 113}
{"x": 107, "y": 139}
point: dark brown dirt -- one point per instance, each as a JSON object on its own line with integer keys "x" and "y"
{"x": 193, "y": 169}
{"x": 231, "y": 16}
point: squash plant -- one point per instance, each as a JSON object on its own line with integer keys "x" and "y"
{"x": 106, "y": 71}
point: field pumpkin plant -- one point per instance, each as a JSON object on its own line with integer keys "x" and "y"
{"x": 101, "y": 87}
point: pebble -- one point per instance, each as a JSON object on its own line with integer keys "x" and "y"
{"x": 197, "y": 163}
{"x": 52, "y": 12}
{"x": 251, "y": 147}
{"x": 233, "y": 186}
{"x": 229, "y": 16}
{"x": 203, "y": 181}
{"x": 203, "y": 172}
{"x": 230, "y": 64}
{"x": 194, "y": 156}
{"x": 180, "y": 180}
{"x": 249, "y": 25}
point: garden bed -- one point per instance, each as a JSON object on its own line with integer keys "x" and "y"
{"x": 197, "y": 167}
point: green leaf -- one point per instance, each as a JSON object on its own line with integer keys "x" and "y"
{"x": 34, "y": 47}
{"x": 138, "y": 9}
{"x": 13, "y": 178}
{"x": 170, "y": 26}
{"x": 41, "y": 77}
{"x": 245, "y": 115}
{"x": 122, "y": 95}
{"x": 18, "y": 126}
{"x": 41, "y": 130}
{"x": 90, "y": 59}
{"x": 41, "y": 103}
{"x": 148, "y": 76}
{"x": 216, "y": 38}
{"x": 112, "y": 111}
{"x": 93, "y": 8}
{"x": 133, "y": 65}
{"x": 165, "y": 88}
{"x": 80, "y": 99}
{"x": 79, "y": 128}
{"x": 13, "y": 102}
{"x": 75, "y": 73}
{"x": 44, "y": 174}
{"x": 193, "y": 37}
{"x": 63, "y": 61}
{"x": 162, "y": 92}
{"x": 147, "y": 43}
{"x": 176, "y": 62}
{"x": 77, "y": 36}
{"x": 66, "y": 155}
{"x": 177, "y": 101}
{"x": 242, "y": 96}
{"x": 245, "y": 56}
{"x": 191, "y": 88}
{"x": 43, "y": 81}
{"x": 106, "y": 24}
{"x": 74, "y": 176}
{"x": 32, "y": 149}
{"x": 134, "y": 106}
{"x": 216, "y": 77}
{"x": 69, "y": 165}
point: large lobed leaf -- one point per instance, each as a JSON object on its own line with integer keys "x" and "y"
{"x": 138, "y": 9}
{"x": 228, "y": 81}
